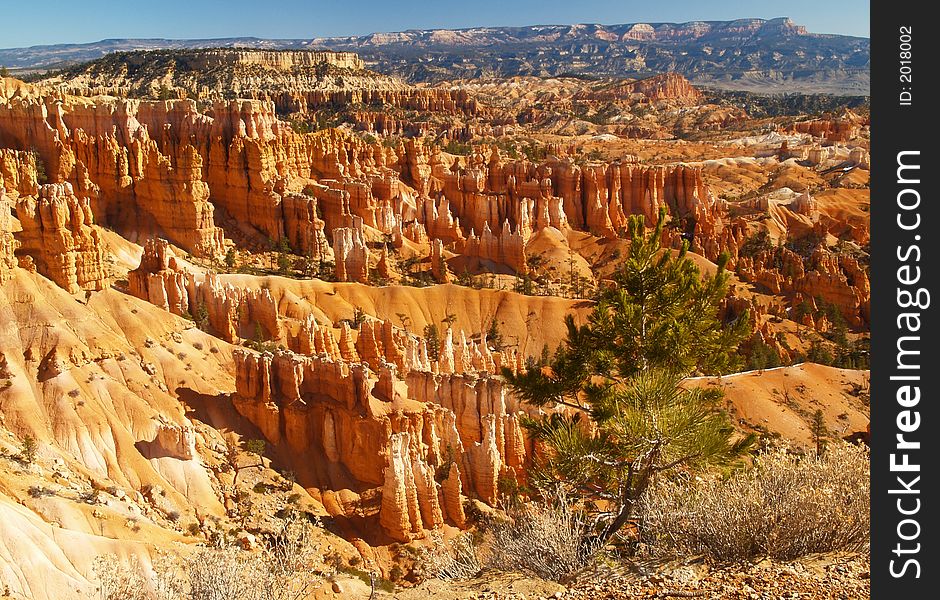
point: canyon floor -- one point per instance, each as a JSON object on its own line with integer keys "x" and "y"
{"x": 236, "y": 284}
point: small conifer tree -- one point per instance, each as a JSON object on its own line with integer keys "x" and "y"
{"x": 626, "y": 417}
{"x": 820, "y": 432}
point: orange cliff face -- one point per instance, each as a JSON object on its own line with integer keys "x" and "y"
{"x": 165, "y": 168}
{"x": 374, "y": 402}
{"x": 8, "y": 243}
{"x": 424, "y": 441}
{"x": 838, "y": 280}
{"x": 232, "y": 312}
{"x": 671, "y": 88}
{"x": 58, "y": 238}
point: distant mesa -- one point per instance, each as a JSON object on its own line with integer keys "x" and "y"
{"x": 781, "y": 56}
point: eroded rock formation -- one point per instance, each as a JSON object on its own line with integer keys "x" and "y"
{"x": 835, "y": 279}
{"x": 351, "y": 253}
{"x": 439, "y": 434}
{"x": 59, "y": 236}
{"x": 225, "y": 310}
{"x": 8, "y": 243}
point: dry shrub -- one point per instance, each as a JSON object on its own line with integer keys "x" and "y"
{"x": 784, "y": 506}
{"x": 549, "y": 540}
{"x": 121, "y": 581}
{"x": 284, "y": 570}
{"x": 458, "y": 558}
{"x": 219, "y": 574}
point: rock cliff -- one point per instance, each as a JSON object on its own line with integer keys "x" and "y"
{"x": 58, "y": 235}
{"x": 8, "y": 243}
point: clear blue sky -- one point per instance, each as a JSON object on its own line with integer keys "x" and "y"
{"x": 30, "y": 22}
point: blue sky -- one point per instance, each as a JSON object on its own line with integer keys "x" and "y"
{"x": 79, "y": 21}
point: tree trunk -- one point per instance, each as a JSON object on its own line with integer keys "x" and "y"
{"x": 630, "y": 497}
{"x": 622, "y": 518}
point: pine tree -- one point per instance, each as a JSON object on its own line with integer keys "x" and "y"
{"x": 284, "y": 263}
{"x": 820, "y": 432}
{"x": 233, "y": 452}
{"x": 28, "y": 449}
{"x": 231, "y": 259}
{"x": 432, "y": 338}
{"x": 449, "y": 320}
{"x": 494, "y": 336}
{"x": 405, "y": 321}
{"x": 621, "y": 373}
{"x": 201, "y": 316}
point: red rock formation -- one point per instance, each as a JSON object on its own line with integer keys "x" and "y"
{"x": 232, "y": 312}
{"x": 8, "y": 243}
{"x": 316, "y": 339}
{"x": 58, "y": 235}
{"x": 351, "y": 253}
{"x": 439, "y": 268}
{"x": 140, "y": 184}
{"x": 860, "y": 157}
{"x": 303, "y": 229}
{"x": 666, "y": 87}
{"x": 805, "y": 205}
{"x": 164, "y": 158}
{"x": 152, "y": 166}
{"x": 18, "y": 172}
{"x": 156, "y": 163}
{"x": 836, "y": 279}
{"x": 453, "y": 496}
{"x": 356, "y": 417}
{"x": 841, "y": 129}
{"x": 160, "y": 279}
{"x": 400, "y": 515}
{"x": 383, "y": 268}
{"x": 507, "y": 247}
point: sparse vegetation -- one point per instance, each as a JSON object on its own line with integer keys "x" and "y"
{"x": 29, "y": 448}
{"x": 201, "y": 316}
{"x": 458, "y": 558}
{"x": 760, "y": 355}
{"x": 286, "y": 568}
{"x": 38, "y": 491}
{"x": 820, "y": 432}
{"x": 785, "y": 506}
{"x": 233, "y": 451}
{"x": 494, "y": 337}
{"x": 359, "y": 317}
{"x": 550, "y": 540}
{"x": 41, "y": 177}
{"x": 543, "y": 539}
{"x": 231, "y": 259}
{"x": 776, "y": 105}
